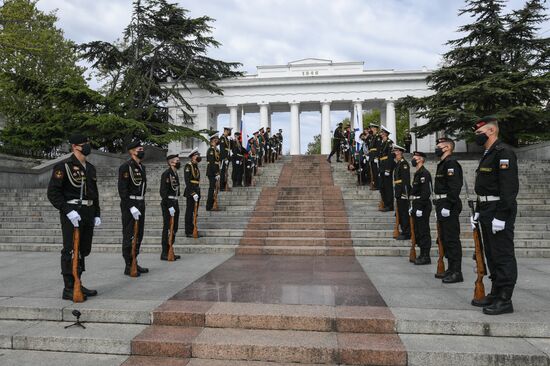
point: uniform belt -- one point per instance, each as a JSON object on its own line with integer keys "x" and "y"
{"x": 440, "y": 196}
{"x": 172, "y": 197}
{"x": 488, "y": 198}
{"x": 194, "y": 181}
{"x": 79, "y": 202}
{"x": 137, "y": 198}
{"x": 399, "y": 181}
{"x": 412, "y": 198}
{"x": 383, "y": 158}
{"x": 373, "y": 149}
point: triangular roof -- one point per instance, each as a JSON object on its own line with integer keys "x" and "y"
{"x": 310, "y": 61}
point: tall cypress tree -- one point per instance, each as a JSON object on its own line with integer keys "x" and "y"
{"x": 497, "y": 67}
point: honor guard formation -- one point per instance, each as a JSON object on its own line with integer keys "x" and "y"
{"x": 377, "y": 162}
{"x": 73, "y": 191}
{"x": 381, "y": 164}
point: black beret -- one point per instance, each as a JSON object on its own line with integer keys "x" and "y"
{"x": 419, "y": 153}
{"x": 172, "y": 156}
{"x": 77, "y": 139}
{"x": 482, "y": 122}
{"x": 133, "y": 145}
{"x": 237, "y": 133}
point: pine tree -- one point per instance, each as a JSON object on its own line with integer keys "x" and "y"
{"x": 496, "y": 68}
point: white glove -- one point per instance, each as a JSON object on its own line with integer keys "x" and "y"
{"x": 135, "y": 212}
{"x": 172, "y": 211}
{"x": 387, "y": 174}
{"x": 368, "y": 158}
{"x": 473, "y": 220}
{"x": 196, "y": 197}
{"x": 238, "y": 162}
{"x": 418, "y": 213}
{"x": 498, "y": 225}
{"x": 217, "y": 177}
{"x": 74, "y": 217}
{"x": 97, "y": 221}
{"x": 445, "y": 212}
{"x": 376, "y": 161}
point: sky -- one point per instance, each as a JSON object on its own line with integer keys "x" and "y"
{"x": 385, "y": 34}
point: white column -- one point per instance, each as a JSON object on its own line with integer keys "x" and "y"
{"x": 383, "y": 116}
{"x": 358, "y": 111}
{"x": 234, "y": 117}
{"x": 325, "y": 128}
{"x": 269, "y": 115}
{"x": 264, "y": 115}
{"x": 390, "y": 119}
{"x": 294, "y": 128}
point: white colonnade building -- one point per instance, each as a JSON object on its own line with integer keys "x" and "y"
{"x": 305, "y": 86}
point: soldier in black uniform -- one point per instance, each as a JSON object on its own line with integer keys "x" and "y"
{"x": 192, "y": 193}
{"x": 280, "y": 145}
{"x": 170, "y": 193}
{"x": 402, "y": 187}
{"x": 363, "y": 176}
{"x": 255, "y": 149}
{"x": 250, "y": 164}
{"x": 497, "y": 186}
{"x": 421, "y": 207}
{"x": 260, "y": 152}
{"x": 238, "y": 161}
{"x": 73, "y": 191}
{"x": 448, "y": 183}
{"x": 225, "y": 155}
{"x": 132, "y": 184}
{"x": 386, "y": 164}
{"x": 212, "y": 170}
{"x": 267, "y": 145}
{"x": 374, "y": 147}
{"x": 336, "y": 143}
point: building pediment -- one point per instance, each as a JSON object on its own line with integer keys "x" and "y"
{"x": 310, "y": 61}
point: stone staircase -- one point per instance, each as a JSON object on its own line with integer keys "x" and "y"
{"x": 371, "y": 230}
{"x": 303, "y": 215}
{"x": 28, "y": 222}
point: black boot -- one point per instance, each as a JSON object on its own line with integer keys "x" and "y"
{"x": 424, "y": 257}
{"x": 142, "y": 269}
{"x": 69, "y": 286}
{"x": 127, "y": 270}
{"x": 488, "y": 299}
{"x": 453, "y": 277}
{"x": 502, "y": 303}
{"x": 442, "y": 275}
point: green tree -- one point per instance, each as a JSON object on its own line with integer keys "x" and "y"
{"x": 42, "y": 91}
{"x": 498, "y": 67}
{"x": 314, "y": 147}
{"x": 163, "y": 51}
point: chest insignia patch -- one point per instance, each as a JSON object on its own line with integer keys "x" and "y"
{"x": 450, "y": 172}
{"x": 422, "y": 180}
{"x": 504, "y": 164}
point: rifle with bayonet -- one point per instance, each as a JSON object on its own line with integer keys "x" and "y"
{"x": 412, "y": 252}
{"x": 441, "y": 251}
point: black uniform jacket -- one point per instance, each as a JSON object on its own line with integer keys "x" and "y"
{"x": 402, "y": 179}
{"x": 421, "y": 189}
{"x": 66, "y": 182}
{"x": 448, "y": 180}
{"x": 169, "y": 184}
{"x": 192, "y": 177}
{"x": 497, "y": 175}
{"x": 213, "y": 162}
{"x": 132, "y": 180}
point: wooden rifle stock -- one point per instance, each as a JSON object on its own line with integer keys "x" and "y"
{"x": 133, "y": 267}
{"x": 396, "y": 226}
{"x": 78, "y": 296}
{"x": 195, "y": 213}
{"x": 412, "y": 252}
{"x": 440, "y": 263}
{"x": 481, "y": 270}
{"x": 215, "y": 206}
{"x": 371, "y": 176}
{"x": 171, "y": 256}
{"x": 227, "y": 188}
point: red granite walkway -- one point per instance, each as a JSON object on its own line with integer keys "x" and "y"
{"x": 315, "y": 307}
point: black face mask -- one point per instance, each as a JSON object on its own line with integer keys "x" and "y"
{"x": 392, "y": 155}
{"x": 414, "y": 163}
{"x": 140, "y": 155}
{"x": 178, "y": 165}
{"x": 438, "y": 152}
{"x": 481, "y": 139}
{"x": 199, "y": 159}
{"x": 86, "y": 149}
